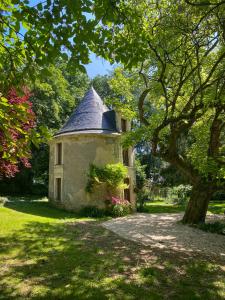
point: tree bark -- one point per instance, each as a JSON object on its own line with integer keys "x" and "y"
{"x": 198, "y": 204}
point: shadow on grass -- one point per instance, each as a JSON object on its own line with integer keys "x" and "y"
{"x": 86, "y": 261}
{"x": 38, "y": 207}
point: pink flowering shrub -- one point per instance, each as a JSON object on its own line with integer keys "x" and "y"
{"x": 118, "y": 207}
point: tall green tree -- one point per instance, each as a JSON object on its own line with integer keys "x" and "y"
{"x": 56, "y": 93}
{"x": 102, "y": 86}
{"x": 180, "y": 56}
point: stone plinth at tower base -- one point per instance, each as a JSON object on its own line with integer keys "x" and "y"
{"x": 92, "y": 135}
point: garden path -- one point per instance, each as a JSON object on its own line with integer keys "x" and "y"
{"x": 165, "y": 232}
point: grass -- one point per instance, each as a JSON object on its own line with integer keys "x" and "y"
{"x": 162, "y": 206}
{"x": 46, "y": 253}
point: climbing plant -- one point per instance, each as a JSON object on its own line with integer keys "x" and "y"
{"x": 112, "y": 175}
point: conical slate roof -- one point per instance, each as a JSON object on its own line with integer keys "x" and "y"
{"x": 91, "y": 115}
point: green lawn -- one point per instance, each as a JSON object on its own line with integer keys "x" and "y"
{"x": 164, "y": 207}
{"x": 46, "y": 253}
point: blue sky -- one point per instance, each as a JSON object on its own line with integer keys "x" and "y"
{"x": 98, "y": 66}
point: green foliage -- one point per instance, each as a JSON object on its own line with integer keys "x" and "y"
{"x": 120, "y": 210}
{"x": 34, "y": 35}
{"x": 101, "y": 85}
{"x": 140, "y": 174}
{"x": 143, "y": 196}
{"x": 123, "y": 97}
{"x": 142, "y": 193}
{"x": 92, "y": 212}
{"x": 172, "y": 176}
{"x": 179, "y": 194}
{"x": 112, "y": 175}
{"x": 219, "y": 196}
{"x": 56, "y": 94}
{"x": 216, "y": 227}
{"x": 23, "y": 184}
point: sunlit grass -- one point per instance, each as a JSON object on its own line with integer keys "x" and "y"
{"x": 46, "y": 253}
{"x": 164, "y": 206}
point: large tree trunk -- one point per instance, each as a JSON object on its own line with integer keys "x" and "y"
{"x": 198, "y": 204}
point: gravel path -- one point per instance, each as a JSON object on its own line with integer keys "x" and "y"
{"x": 163, "y": 231}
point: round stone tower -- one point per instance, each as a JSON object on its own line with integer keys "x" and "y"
{"x": 92, "y": 135}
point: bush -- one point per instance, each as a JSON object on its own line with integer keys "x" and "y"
{"x": 216, "y": 227}
{"x": 143, "y": 196}
{"x": 219, "y": 196}
{"x": 180, "y": 194}
{"x": 14, "y": 186}
{"x": 117, "y": 210}
{"x": 92, "y": 212}
{"x": 117, "y": 207}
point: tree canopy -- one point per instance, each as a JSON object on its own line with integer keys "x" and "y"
{"x": 180, "y": 57}
{"x": 175, "y": 53}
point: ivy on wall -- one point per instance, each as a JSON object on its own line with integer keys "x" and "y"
{"x": 112, "y": 175}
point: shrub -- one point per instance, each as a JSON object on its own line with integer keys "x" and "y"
{"x": 92, "y": 212}
{"x": 219, "y": 196}
{"x": 216, "y": 227}
{"x": 118, "y": 207}
{"x": 180, "y": 194}
{"x": 143, "y": 196}
{"x": 117, "y": 210}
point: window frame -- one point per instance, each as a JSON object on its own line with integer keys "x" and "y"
{"x": 59, "y": 154}
{"x": 123, "y": 125}
{"x": 126, "y": 158}
{"x": 58, "y": 189}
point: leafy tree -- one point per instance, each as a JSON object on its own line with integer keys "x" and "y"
{"x": 102, "y": 86}
{"x": 17, "y": 122}
{"x": 37, "y": 34}
{"x": 56, "y": 93}
{"x": 180, "y": 56}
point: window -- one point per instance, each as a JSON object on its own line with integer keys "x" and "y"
{"x": 127, "y": 191}
{"x": 126, "y": 157}
{"x": 58, "y": 189}
{"x": 59, "y": 153}
{"x": 123, "y": 125}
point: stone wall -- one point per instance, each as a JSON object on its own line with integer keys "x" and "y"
{"x": 79, "y": 151}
